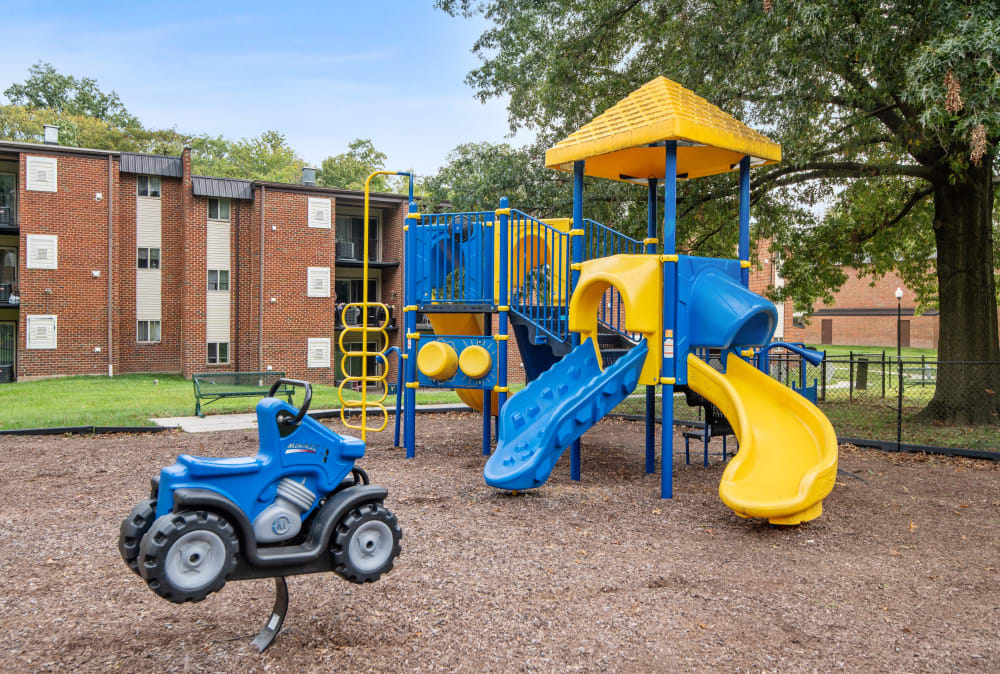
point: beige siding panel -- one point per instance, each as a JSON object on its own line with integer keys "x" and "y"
{"x": 147, "y": 294}
{"x": 148, "y": 222}
{"x": 217, "y": 245}
{"x": 217, "y": 316}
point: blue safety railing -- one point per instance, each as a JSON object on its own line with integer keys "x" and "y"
{"x": 539, "y": 273}
{"x": 601, "y": 241}
{"x": 455, "y": 258}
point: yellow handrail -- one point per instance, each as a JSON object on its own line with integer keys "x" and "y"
{"x": 364, "y": 403}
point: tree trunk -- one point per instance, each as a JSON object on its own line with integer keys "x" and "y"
{"x": 968, "y": 390}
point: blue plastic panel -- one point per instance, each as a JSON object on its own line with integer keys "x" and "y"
{"x": 460, "y": 380}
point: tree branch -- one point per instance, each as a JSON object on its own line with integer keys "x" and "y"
{"x": 914, "y": 199}
{"x": 849, "y": 169}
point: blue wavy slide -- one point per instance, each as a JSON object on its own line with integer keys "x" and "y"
{"x": 540, "y": 422}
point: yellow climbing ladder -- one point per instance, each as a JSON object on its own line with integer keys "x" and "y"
{"x": 364, "y": 354}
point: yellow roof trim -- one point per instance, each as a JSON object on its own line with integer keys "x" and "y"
{"x": 616, "y": 144}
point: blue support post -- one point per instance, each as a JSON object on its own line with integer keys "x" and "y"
{"x": 651, "y": 390}
{"x": 668, "y": 369}
{"x": 503, "y": 331}
{"x": 574, "y": 453}
{"x": 487, "y": 396}
{"x": 399, "y": 393}
{"x": 744, "y": 249}
{"x": 409, "y": 311}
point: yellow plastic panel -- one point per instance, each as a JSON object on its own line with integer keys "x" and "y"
{"x": 475, "y": 362}
{"x": 787, "y": 461}
{"x": 437, "y": 360}
{"x": 658, "y": 111}
{"x": 639, "y": 281}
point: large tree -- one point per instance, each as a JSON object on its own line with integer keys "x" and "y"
{"x": 888, "y": 113}
{"x": 48, "y": 88}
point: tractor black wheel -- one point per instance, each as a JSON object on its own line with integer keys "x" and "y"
{"x": 365, "y": 543}
{"x": 133, "y": 528}
{"x": 187, "y": 555}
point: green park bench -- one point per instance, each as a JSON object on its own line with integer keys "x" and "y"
{"x": 212, "y": 386}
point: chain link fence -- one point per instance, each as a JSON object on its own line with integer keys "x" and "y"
{"x": 876, "y": 396}
{"x": 869, "y": 395}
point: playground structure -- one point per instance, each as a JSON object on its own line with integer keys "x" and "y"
{"x": 597, "y": 314}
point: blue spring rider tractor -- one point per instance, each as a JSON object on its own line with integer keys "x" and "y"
{"x": 299, "y": 506}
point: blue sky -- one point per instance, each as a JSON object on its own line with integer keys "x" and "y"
{"x": 320, "y": 73}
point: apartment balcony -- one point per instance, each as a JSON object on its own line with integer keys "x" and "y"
{"x": 9, "y": 298}
{"x": 8, "y": 220}
{"x": 350, "y": 254}
{"x": 353, "y": 319}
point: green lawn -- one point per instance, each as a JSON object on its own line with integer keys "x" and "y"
{"x": 890, "y": 351}
{"x": 867, "y": 416}
{"x": 131, "y": 399}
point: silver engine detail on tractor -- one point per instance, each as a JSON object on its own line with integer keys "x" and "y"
{"x": 283, "y": 519}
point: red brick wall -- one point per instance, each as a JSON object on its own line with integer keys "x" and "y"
{"x": 77, "y": 298}
{"x": 860, "y": 293}
{"x": 244, "y": 271}
{"x": 193, "y": 279}
{"x": 164, "y": 356}
{"x": 293, "y": 318}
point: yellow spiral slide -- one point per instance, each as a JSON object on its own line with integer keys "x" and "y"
{"x": 787, "y": 460}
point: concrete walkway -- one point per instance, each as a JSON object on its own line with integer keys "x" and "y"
{"x": 246, "y": 421}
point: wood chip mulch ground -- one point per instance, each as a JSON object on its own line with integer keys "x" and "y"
{"x": 899, "y": 574}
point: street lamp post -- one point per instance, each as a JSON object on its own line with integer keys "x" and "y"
{"x": 899, "y": 322}
{"x": 899, "y": 365}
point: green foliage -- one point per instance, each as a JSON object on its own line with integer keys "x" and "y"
{"x": 263, "y": 157}
{"x": 857, "y": 93}
{"x": 350, "y": 169}
{"x": 47, "y": 88}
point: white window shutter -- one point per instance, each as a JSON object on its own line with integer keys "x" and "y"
{"x": 319, "y": 352}
{"x": 41, "y": 332}
{"x": 319, "y": 282}
{"x": 42, "y": 174}
{"x": 42, "y": 251}
{"x": 319, "y": 212}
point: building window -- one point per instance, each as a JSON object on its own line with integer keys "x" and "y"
{"x": 149, "y": 258}
{"x": 349, "y": 290}
{"x": 218, "y": 279}
{"x": 218, "y": 209}
{"x": 148, "y": 186}
{"x": 218, "y": 353}
{"x": 8, "y": 199}
{"x": 351, "y": 229}
{"x": 798, "y": 320}
{"x": 147, "y": 331}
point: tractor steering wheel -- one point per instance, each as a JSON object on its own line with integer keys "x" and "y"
{"x": 305, "y": 403}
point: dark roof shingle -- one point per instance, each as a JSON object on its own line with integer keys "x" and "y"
{"x": 227, "y": 188}
{"x": 151, "y": 164}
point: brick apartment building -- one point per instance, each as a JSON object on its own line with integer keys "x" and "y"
{"x": 115, "y": 262}
{"x": 863, "y": 312}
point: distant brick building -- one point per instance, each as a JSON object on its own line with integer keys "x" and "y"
{"x": 862, "y": 314}
{"x": 115, "y": 262}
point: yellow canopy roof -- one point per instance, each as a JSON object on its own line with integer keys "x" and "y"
{"x": 616, "y": 144}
